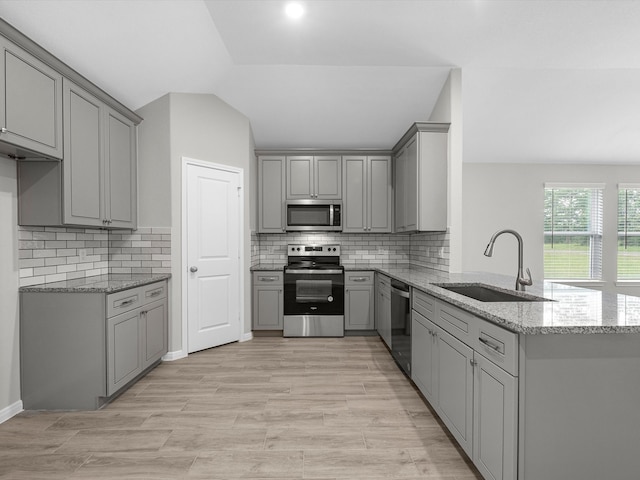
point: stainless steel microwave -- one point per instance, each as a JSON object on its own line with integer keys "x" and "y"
{"x": 313, "y": 215}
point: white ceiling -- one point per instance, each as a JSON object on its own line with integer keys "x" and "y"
{"x": 543, "y": 81}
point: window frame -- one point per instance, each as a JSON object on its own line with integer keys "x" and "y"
{"x": 595, "y": 232}
{"x": 629, "y": 281}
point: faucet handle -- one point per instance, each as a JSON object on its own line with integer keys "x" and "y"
{"x": 526, "y": 281}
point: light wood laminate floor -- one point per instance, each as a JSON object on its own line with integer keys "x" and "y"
{"x": 309, "y": 408}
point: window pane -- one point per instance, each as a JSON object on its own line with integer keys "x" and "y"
{"x": 573, "y": 233}
{"x": 629, "y": 234}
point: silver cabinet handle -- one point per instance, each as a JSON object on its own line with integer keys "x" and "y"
{"x": 156, "y": 293}
{"x": 268, "y": 279}
{"x": 489, "y": 344}
{"x": 359, "y": 279}
{"x": 126, "y": 302}
{"x": 473, "y": 362}
{"x": 193, "y": 269}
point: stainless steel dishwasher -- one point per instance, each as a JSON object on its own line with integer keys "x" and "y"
{"x": 401, "y": 325}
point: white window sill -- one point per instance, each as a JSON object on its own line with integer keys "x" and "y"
{"x": 578, "y": 283}
{"x": 627, "y": 283}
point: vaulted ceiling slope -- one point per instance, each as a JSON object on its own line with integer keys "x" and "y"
{"x": 543, "y": 81}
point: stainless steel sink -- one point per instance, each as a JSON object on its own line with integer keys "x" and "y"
{"x": 486, "y": 293}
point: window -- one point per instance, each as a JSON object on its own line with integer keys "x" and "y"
{"x": 573, "y": 231}
{"x": 628, "y": 232}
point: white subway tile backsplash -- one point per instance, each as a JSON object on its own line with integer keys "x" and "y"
{"x": 49, "y": 254}
{"x": 430, "y": 250}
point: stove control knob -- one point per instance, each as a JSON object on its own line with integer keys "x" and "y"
{"x": 329, "y": 298}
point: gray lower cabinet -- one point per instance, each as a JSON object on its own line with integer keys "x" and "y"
{"x": 383, "y": 308}
{"x": 495, "y": 418}
{"x": 30, "y": 104}
{"x": 268, "y": 301}
{"x": 367, "y": 194}
{"x": 96, "y": 183}
{"x": 359, "y": 300}
{"x": 271, "y": 193}
{"x": 79, "y": 349}
{"x": 467, "y": 369}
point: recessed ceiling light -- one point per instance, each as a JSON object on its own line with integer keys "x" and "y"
{"x": 294, "y": 10}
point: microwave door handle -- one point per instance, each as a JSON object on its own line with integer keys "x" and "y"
{"x": 331, "y": 208}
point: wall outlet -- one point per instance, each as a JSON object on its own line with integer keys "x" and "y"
{"x": 441, "y": 252}
{"x": 82, "y": 253}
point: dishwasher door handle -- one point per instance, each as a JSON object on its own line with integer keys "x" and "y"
{"x": 397, "y": 291}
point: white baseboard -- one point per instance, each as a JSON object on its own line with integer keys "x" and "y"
{"x": 171, "y": 356}
{"x": 10, "y": 411}
{"x": 245, "y": 337}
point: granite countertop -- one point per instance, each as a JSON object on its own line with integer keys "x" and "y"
{"x": 97, "y": 284}
{"x": 570, "y": 310}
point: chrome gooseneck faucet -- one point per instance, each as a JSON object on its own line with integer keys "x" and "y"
{"x": 521, "y": 281}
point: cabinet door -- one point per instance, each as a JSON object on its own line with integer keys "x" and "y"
{"x": 120, "y": 171}
{"x": 358, "y": 308}
{"x": 379, "y": 195}
{"x": 83, "y": 157}
{"x": 424, "y": 358}
{"x": 354, "y": 209}
{"x": 124, "y": 359}
{"x": 494, "y": 420}
{"x": 455, "y": 388}
{"x": 153, "y": 323}
{"x": 327, "y": 177}
{"x": 271, "y": 194}
{"x": 300, "y": 177}
{"x": 268, "y": 308}
{"x": 30, "y": 102}
{"x": 400, "y": 163}
{"x": 411, "y": 186}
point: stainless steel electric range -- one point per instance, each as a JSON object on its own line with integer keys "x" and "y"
{"x": 313, "y": 292}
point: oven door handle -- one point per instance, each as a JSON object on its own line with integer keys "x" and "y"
{"x": 314, "y": 272}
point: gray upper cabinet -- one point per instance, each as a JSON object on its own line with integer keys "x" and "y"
{"x": 30, "y": 104}
{"x": 421, "y": 162}
{"x": 314, "y": 177}
{"x": 120, "y": 171}
{"x": 84, "y": 157}
{"x": 271, "y": 193}
{"x": 367, "y": 194}
{"x": 95, "y": 185}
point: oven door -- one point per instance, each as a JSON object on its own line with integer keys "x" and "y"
{"x": 313, "y": 292}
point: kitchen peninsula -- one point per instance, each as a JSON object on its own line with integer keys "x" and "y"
{"x": 530, "y": 390}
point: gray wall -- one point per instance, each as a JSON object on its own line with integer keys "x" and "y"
{"x": 497, "y": 196}
{"x": 201, "y": 127}
{"x": 154, "y": 165}
{"x": 9, "y": 320}
{"x": 448, "y": 109}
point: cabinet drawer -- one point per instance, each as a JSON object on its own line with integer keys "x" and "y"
{"x": 267, "y": 278}
{"x": 153, "y": 292}
{"x": 457, "y": 322}
{"x": 424, "y": 304}
{"x": 498, "y": 345}
{"x": 124, "y": 301}
{"x": 358, "y": 278}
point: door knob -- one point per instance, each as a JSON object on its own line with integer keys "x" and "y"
{"x": 193, "y": 269}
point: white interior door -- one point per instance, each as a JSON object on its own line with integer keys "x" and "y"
{"x": 213, "y": 278}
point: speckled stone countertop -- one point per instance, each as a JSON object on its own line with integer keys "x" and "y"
{"x": 268, "y": 267}
{"x": 97, "y": 284}
{"x": 570, "y": 310}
